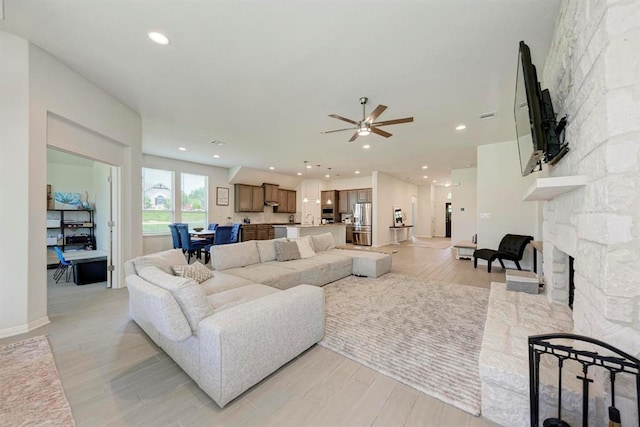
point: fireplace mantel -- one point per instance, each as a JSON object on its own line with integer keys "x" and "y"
{"x": 551, "y": 187}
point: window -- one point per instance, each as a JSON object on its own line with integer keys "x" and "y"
{"x": 194, "y": 200}
{"x": 157, "y": 200}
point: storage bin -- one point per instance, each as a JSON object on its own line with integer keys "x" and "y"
{"x": 52, "y": 240}
{"x": 53, "y": 223}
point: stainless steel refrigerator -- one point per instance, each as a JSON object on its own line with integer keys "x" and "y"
{"x": 362, "y": 224}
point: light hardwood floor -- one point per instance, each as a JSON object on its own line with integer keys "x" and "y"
{"x": 114, "y": 375}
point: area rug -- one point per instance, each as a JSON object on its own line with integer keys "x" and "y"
{"x": 30, "y": 388}
{"x": 424, "y": 334}
{"x": 434, "y": 244}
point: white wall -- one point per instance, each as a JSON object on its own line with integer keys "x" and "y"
{"x": 35, "y": 85}
{"x": 438, "y": 209}
{"x": 15, "y": 299}
{"x": 424, "y": 212}
{"x": 464, "y": 191}
{"x": 70, "y": 178}
{"x": 500, "y": 191}
{"x": 390, "y": 192}
{"x": 348, "y": 183}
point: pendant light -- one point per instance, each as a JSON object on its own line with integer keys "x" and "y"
{"x": 318, "y": 176}
{"x": 304, "y": 199}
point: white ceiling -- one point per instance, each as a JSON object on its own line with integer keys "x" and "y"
{"x": 262, "y": 76}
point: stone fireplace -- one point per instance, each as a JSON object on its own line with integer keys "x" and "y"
{"x": 593, "y": 74}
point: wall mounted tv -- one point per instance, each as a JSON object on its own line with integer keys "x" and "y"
{"x": 540, "y": 137}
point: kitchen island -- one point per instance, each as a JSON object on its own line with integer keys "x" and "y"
{"x": 339, "y": 231}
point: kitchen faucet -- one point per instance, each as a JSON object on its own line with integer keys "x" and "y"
{"x": 312, "y": 219}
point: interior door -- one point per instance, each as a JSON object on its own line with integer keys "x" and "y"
{"x": 447, "y": 216}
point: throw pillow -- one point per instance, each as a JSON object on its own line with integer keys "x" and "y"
{"x": 286, "y": 251}
{"x": 304, "y": 246}
{"x": 196, "y": 271}
{"x": 323, "y": 242}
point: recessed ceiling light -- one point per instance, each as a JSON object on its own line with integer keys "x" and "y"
{"x": 159, "y": 38}
{"x": 308, "y": 166}
{"x": 448, "y": 184}
{"x": 461, "y": 127}
{"x": 425, "y": 176}
{"x": 435, "y": 180}
{"x": 425, "y": 167}
{"x": 357, "y": 172}
{"x": 327, "y": 176}
{"x": 271, "y": 167}
{"x": 366, "y": 146}
{"x": 182, "y": 149}
{"x": 216, "y": 156}
{"x": 299, "y": 173}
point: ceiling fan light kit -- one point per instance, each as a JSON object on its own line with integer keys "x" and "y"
{"x": 367, "y": 125}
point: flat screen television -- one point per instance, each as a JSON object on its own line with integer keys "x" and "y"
{"x": 537, "y": 132}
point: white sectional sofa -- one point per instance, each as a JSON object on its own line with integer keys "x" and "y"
{"x": 230, "y": 331}
{"x": 256, "y": 261}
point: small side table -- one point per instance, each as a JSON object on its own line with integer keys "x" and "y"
{"x": 464, "y": 249}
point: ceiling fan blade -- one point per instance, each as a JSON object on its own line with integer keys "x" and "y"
{"x": 344, "y": 119}
{"x": 393, "y": 122}
{"x": 353, "y": 138}
{"x": 337, "y": 130}
{"x": 375, "y": 113}
{"x": 380, "y": 132}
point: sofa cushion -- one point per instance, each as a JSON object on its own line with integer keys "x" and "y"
{"x": 336, "y": 261}
{"x": 312, "y": 270}
{"x": 323, "y": 242}
{"x": 222, "y": 281}
{"x": 267, "y": 249}
{"x": 189, "y": 295}
{"x": 163, "y": 260}
{"x": 196, "y": 271}
{"x": 234, "y": 255}
{"x": 286, "y": 251}
{"x": 231, "y": 298}
{"x": 304, "y": 246}
{"x": 271, "y": 273}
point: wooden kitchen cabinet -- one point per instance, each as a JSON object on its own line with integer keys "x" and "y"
{"x": 271, "y": 193}
{"x": 369, "y": 195}
{"x": 248, "y": 198}
{"x": 292, "y": 204}
{"x": 258, "y": 199}
{"x": 343, "y": 201}
{"x": 362, "y": 195}
{"x": 286, "y": 201}
{"x": 326, "y": 196}
{"x": 353, "y": 199}
{"x": 257, "y": 232}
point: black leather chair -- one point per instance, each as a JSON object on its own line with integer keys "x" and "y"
{"x": 511, "y": 248}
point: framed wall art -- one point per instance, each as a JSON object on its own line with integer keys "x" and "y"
{"x": 222, "y": 196}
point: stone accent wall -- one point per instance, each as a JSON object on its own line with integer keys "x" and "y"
{"x": 593, "y": 74}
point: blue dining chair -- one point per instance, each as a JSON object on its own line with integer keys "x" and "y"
{"x": 63, "y": 267}
{"x": 226, "y": 234}
{"x": 175, "y": 236}
{"x": 190, "y": 246}
{"x": 212, "y": 226}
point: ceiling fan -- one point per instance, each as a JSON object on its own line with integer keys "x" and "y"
{"x": 367, "y": 124}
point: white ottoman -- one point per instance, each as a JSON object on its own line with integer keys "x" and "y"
{"x": 370, "y": 264}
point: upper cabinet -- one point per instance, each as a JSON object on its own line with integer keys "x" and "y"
{"x": 328, "y": 198}
{"x": 271, "y": 193}
{"x": 343, "y": 201}
{"x": 286, "y": 201}
{"x": 248, "y": 198}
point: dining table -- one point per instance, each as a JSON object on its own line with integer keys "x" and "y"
{"x": 203, "y": 234}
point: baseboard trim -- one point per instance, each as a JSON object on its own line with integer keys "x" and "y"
{"x": 22, "y": 329}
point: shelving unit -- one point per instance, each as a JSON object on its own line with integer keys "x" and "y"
{"x": 69, "y": 229}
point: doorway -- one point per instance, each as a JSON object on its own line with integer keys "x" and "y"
{"x": 86, "y": 221}
{"x": 447, "y": 219}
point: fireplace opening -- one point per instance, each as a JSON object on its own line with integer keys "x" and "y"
{"x": 572, "y": 286}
